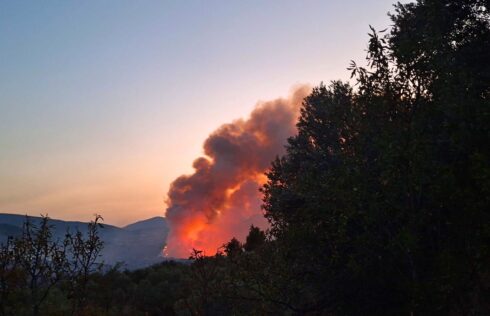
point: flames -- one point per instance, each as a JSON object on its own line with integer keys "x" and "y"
{"x": 220, "y": 200}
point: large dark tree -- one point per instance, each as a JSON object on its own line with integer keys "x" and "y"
{"x": 381, "y": 203}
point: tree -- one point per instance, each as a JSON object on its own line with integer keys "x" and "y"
{"x": 84, "y": 253}
{"x": 41, "y": 261}
{"x": 255, "y": 239}
{"x": 233, "y": 248}
{"x": 34, "y": 265}
{"x": 8, "y": 275}
{"x": 382, "y": 196}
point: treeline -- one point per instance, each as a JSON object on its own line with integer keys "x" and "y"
{"x": 36, "y": 268}
{"x": 380, "y": 205}
{"x": 41, "y": 275}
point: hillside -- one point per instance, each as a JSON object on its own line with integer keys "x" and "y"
{"x": 136, "y": 245}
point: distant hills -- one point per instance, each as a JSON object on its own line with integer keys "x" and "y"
{"x": 136, "y": 245}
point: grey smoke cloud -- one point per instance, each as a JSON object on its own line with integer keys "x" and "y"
{"x": 220, "y": 200}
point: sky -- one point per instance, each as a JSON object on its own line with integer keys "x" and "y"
{"x": 104, "y": 103}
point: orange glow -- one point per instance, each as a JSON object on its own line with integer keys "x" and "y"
{"x": 221, "y": 199}
{"x": 240, "y": 210}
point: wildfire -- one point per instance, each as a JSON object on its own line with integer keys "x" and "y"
{"x": 220, "y": 200}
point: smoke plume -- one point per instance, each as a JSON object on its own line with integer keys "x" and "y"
{"x": 220, "y": 200}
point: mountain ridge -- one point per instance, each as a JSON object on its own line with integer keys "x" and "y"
{"x": 136, "y": 245}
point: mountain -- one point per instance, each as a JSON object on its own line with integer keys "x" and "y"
{"x": 151, "y": 223}
{"x": 136, "y": 245}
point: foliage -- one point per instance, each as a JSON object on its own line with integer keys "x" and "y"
{"x": 34, "y": 266}
{"x": 383, "y": 195}
{"x": 255, "y": 239}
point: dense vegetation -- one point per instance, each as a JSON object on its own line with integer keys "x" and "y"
{"x": 379, "y": 207}
{"x": 36, "y": 268}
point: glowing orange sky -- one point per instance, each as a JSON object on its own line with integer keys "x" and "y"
{"x": 220, "y": 199}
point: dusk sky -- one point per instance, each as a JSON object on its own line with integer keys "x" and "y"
{"x": 104, "y": 103}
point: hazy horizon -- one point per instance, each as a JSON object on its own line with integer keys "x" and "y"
{"x": 104, "y": 104}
